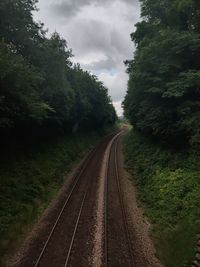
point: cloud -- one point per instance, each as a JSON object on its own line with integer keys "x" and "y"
{"x": 118, "y": 41}
{"x": 92, "y": 35}
{"x": 118, "y": 108}
{"x": 107, "y": 64}
{"x": 98, "y": 31}
{"x": 69, "y": 8}
{"x": 117, "y": 84}
{"x": 99, "y": 38}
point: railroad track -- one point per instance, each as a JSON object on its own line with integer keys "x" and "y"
{"x": 72, "y": 191}
{"x": 118, "y": 245}
{"x": 69, "y": 240}
{"x": 67, "y": 235}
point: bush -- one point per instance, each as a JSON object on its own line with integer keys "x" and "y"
{"x": 169, "y": 188}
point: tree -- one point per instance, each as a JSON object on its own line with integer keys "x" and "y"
{"x": 163, "y": 97}
{"x": 92, "y": 105}
{"x": 38, "y": 83}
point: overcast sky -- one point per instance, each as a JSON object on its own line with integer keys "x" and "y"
{"x": 98, "y": 31}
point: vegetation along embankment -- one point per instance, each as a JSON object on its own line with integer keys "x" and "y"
{"x": 51, "y": 111}
{"x": 163, "y": 105}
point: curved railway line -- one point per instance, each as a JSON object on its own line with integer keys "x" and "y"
{"x": 70, "y": 231}
{"x": 69, "y": 240}
{"x": 118, "y": 250}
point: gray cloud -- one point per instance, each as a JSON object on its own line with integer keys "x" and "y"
{"x": 107, "y": 64}
{"x": 97, "y": 36}
{"x": 117, "y": 41}
{"x": 92, "y": 35}
{"x": 116, "y": 83}
{"x": 69, "y": 8}
{"x": 98, "y": 31}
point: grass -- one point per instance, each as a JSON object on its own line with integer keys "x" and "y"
{"x": 169, "y": 188}
{"x": 29, "y": 179}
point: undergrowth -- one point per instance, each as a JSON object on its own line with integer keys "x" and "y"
{"x": 169, "y": 188}
{"x": 29, "y": 179}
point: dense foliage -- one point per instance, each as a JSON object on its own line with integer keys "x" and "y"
{"x": 163, "y": 105}
{"x": 39, "y": 86}
{"x": 169, "y": 189}
{"x": 163, "y": 98}
{"x": 43, "y": 96}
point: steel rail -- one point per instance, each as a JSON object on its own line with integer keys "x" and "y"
{"x": 76, "y": 227}
{"x": 74, "y": 184}
{"x": 73, "y": 187}
{"x": 105, "y": 214}
{"x": 106, "y": 202}
{"x": 80, "y": 212}
{"x": 124, "y": 215}
{"x": 115, "y": 142}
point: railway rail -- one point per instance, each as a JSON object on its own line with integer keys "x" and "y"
{"x": 118, "y": 250}
{"x": 69, "y": 240}
{"x": 75, "y": 183}
{"x": 69, "y": 232}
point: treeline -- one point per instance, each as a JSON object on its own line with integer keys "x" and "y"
{"x": 39, "y": 85}
{"x": 163, "y": 104}
{"x": 163, "y": 99}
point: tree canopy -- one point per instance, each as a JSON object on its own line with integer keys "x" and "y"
{"x": 39, "y": 85}
{"x": 163, "y": 98}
